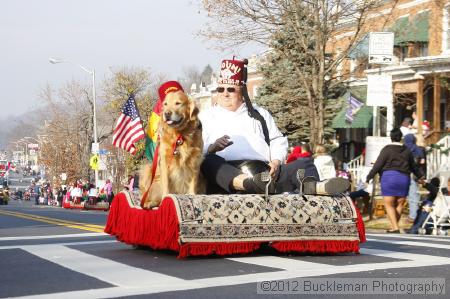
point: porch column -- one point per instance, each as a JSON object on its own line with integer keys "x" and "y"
{"x": 437, "y": 104}
{"x": 419, "y": 105}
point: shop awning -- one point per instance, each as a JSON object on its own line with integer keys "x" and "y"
{"x": 400, "y": 29}
{"x": 419, "y": 27}
{"x": 415, "y": 30}
{"x": 362, "y": 119}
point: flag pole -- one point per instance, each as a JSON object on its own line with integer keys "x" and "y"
{"x": 95, "y": 123}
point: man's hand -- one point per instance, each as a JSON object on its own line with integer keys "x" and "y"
{"x": 274, "y": 166}
{"x": 220, "y": 144}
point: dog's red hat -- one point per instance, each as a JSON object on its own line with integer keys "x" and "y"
{"x": 168, "y": 87}
{"x": 232, "y": 72}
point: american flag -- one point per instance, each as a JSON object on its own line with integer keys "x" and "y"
{"x": 353, "y": 107}
{"x": 129, "y": 127}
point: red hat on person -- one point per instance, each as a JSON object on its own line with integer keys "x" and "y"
{"x": 232, "y": 72}
{"x": 168, "y": 87}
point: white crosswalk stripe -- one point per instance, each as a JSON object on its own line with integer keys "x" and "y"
{"x": 52, "y": 236}
{"x": 411, "y": 243}
{"x": 410, "y": 237}
{"x": 107, "y": 270}
{"x": 128, "y": 280}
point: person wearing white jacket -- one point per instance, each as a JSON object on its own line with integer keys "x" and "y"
{"x": 324, "y": 163}
{"x": 233, "y": 133}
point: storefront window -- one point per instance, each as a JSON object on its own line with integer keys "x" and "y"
{"x": 423, "y": 49}
{"x": 401, "y": 52}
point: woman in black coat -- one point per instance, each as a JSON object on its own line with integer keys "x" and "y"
{"x": 395, "y": 165}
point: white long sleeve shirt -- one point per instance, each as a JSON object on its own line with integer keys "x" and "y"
{"x": 245, "y": 132}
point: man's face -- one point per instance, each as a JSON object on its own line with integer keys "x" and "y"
{"x": 229, "y": 96}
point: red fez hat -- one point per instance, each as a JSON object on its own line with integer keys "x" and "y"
{"x": 167, "y": 88}
{"x": 232, "y": 72}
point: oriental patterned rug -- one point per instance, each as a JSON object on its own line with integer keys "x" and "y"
{"x": 242, "y": 218}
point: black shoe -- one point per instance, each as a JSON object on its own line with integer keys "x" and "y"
{"x": 251, "y": 187}
{"x": 262, "y": 179}
{"x": 309, "y": 185}
{"x": 257, "y": 184}
{"x": 333, "y": 186}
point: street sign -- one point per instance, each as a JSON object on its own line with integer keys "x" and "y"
{"x": 374, "y": 145}
{"x": 95, "y": 148}
{"x": 379, "y": 90}
{"x": 93, "y": 161}
{"x": 381, "y": 47}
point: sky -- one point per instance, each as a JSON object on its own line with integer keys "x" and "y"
{"x": 159, "y": 35}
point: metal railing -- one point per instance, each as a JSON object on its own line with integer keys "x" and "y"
{"x": 356, "y": 167}
{"x": 437, "y": 161}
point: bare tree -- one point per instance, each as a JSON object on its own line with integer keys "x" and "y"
{"x": 123, "y": 82}
{"x": 316, "y": 29}
{"x": 117, "y": 88}
{"x": 68, "y": 130}
{"x": 190, "y": 75}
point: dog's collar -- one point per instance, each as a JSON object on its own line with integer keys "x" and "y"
{"x": 179, "y": 141}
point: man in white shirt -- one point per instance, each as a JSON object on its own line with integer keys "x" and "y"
{"x": 406, "y": 127}
{"x": 234, "y": 133}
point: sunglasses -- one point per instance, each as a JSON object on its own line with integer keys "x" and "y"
{"x": 229, "y": 89}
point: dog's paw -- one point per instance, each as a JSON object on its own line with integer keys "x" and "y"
{"x": 154, "y": 204}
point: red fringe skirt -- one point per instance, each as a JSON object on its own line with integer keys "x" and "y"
{"x": 159, "y": 229}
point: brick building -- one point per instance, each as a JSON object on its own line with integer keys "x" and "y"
{"x": 420, "y": 72}
{"x": 421, "y": 68}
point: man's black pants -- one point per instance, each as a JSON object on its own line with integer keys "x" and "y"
{"x": 220, "y": 173}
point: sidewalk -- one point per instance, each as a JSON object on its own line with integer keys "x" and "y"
{"x": 381, "y": 224}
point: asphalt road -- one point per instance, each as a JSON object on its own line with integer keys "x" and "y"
{"x": 48, "y": 252}
{"x": 18, "y": 181}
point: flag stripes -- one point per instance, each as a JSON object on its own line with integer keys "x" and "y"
{"x": 128, "y": 128}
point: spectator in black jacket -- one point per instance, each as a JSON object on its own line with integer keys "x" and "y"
{"x": 424, "y": 210}
{"x": 419, "y": 158}
{"x": 395, "y": 165}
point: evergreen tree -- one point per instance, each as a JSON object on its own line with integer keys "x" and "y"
{"x": 283, "y": 98}
{"x": 206, "y": 75}
{"x": 283, "y": 94}
{"x": 305, "y": 33}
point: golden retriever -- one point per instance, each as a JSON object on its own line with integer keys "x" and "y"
{"x": 180, "y": 151}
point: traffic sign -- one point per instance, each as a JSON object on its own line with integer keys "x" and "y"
{"x": 93, "y": 162}
{"x": 95, "y": 148}
{"x": 374, "y": 145}
{"x": 381, "y": 47}
{"x": 379, "y": 90}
